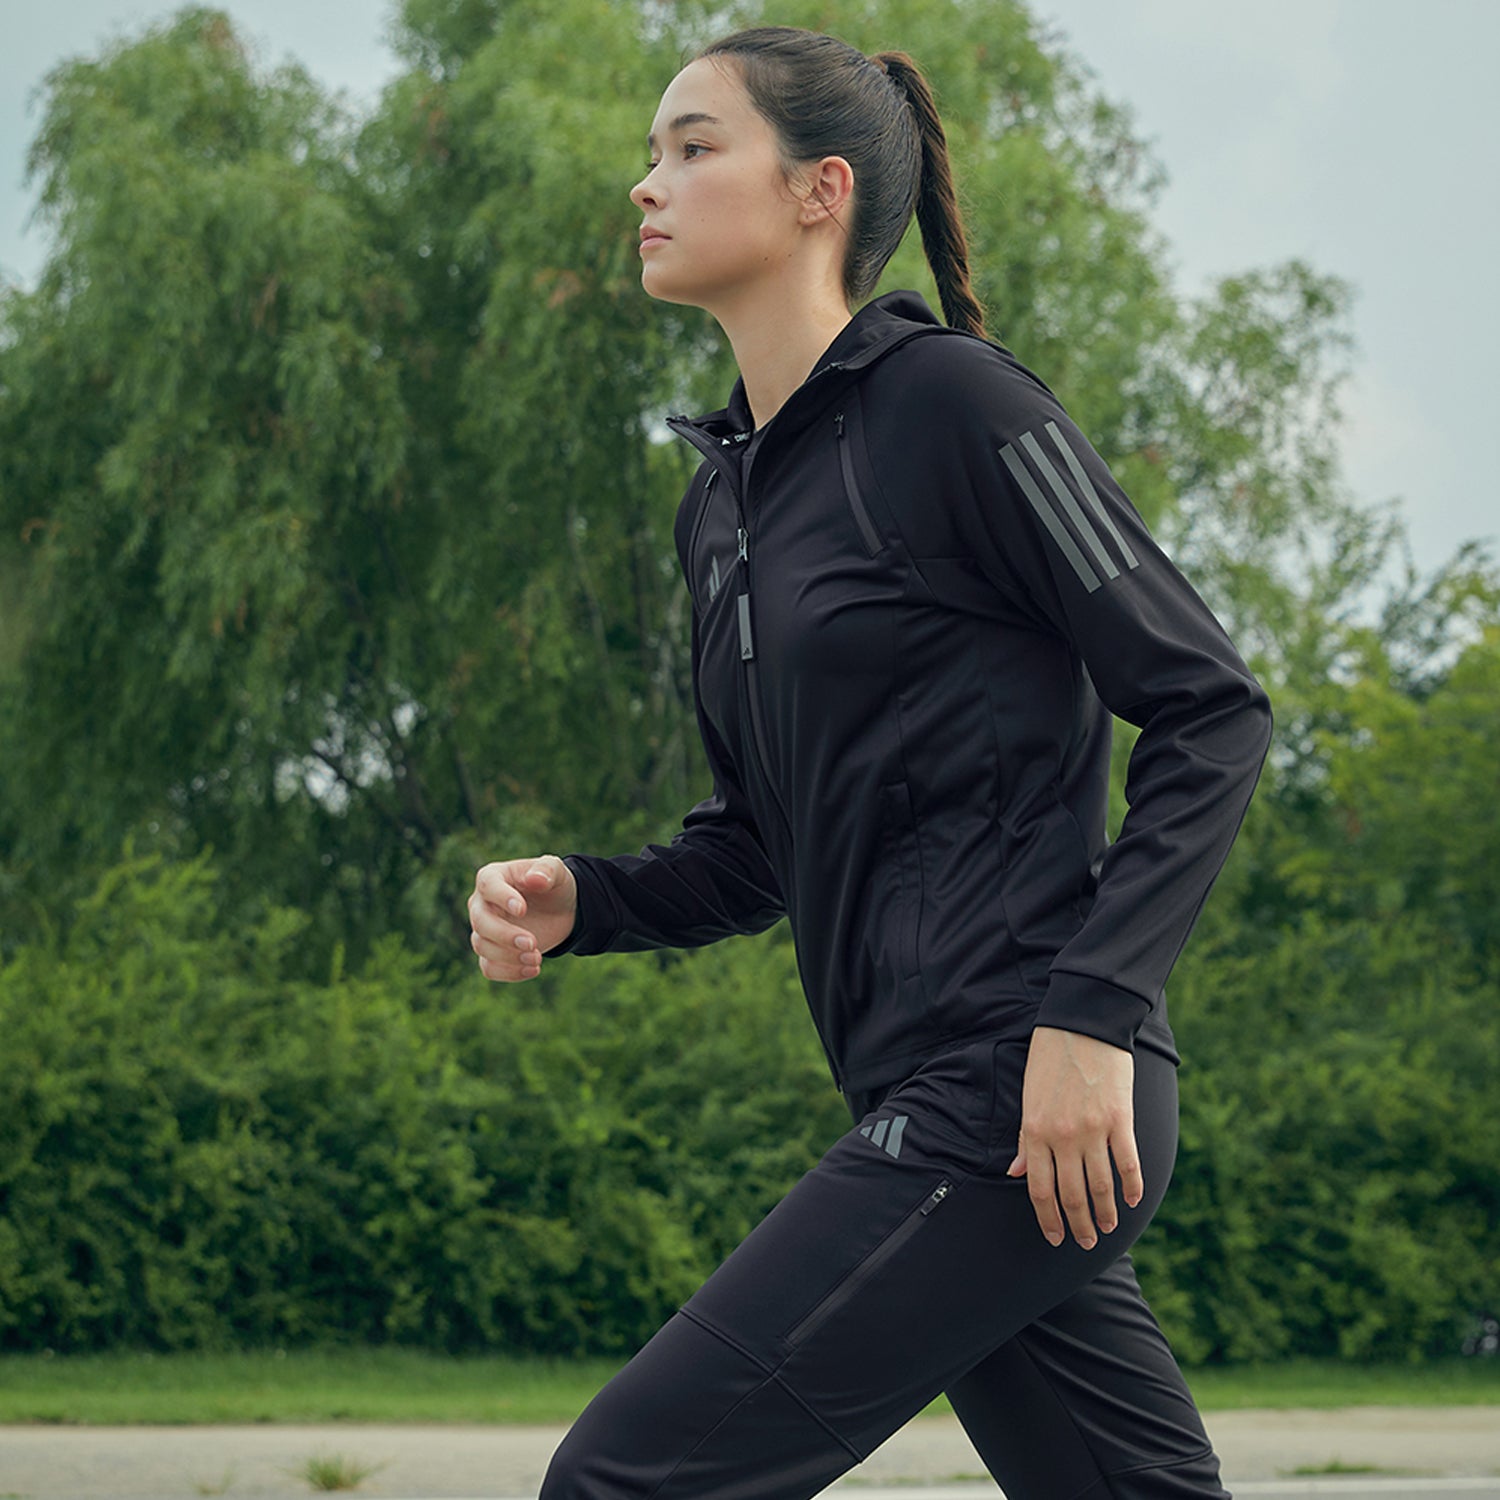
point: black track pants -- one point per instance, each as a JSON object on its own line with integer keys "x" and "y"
{"x": 904, "y": 1264}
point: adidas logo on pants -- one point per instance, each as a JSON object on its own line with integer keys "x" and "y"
{"x": 886, "y": 1134}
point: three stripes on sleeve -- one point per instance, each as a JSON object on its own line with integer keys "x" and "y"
{"x": 1086, "y": 551}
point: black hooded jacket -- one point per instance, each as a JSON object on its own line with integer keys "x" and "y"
{"x": 918, "y": 595}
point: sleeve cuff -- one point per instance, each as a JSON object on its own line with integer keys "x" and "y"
{"x": 589, "y": 935}
{"x": 1094, "y": 1007}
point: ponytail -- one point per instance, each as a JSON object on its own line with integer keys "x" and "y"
{"x": 938, "y": 215}
{"x": 822, "y": 97}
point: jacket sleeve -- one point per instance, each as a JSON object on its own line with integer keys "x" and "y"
{"x": 1050, "y": 527}
{"x": 713, "y": 880}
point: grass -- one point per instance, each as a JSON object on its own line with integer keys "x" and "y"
{"x": 1324, "y": 1383}
{"x": 1336, "y": 1466}
{"x": 400, "y": 1385}
{"x": 316, "y": 1385}
{"x": 332, "y": 1471}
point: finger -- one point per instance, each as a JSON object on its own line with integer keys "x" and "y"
{"x": 508, "y": 966}
{"x": 1128, "y": 1164}
{"x": 482, "y": 916}
{"x": 1101, "y": 1182}
{"x": 511, "y": 944}
{"x": 501, "y": 973}
{"x": 1041, "y": 1184}
{"x": 1072, "y": 1193}
{"x": 546, "y": 873}
{"x": 1017, "y": 1168}
{"x": 514, "y": 956}
{"x": 507, "y": 962}
{"x": 489, "y": 923}
{"x": 492, "y": 887}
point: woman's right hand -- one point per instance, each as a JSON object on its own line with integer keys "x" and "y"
{"x": 520, "y": 908}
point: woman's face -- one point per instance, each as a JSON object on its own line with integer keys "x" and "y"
{"x": 719, "y": 219}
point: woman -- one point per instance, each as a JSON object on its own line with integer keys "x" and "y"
{"x": 918, "y": 595}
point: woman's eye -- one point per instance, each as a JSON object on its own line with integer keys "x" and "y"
{"x": 689, "y": 151}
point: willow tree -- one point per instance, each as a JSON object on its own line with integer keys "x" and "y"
{"x": 335, "y": 508}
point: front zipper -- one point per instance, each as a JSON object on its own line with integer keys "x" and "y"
{"x": 851, "y": 491}
{"x": 744, "y": 620}
{"x": 839, "y": 1295}
{"x": 747, "y": 656}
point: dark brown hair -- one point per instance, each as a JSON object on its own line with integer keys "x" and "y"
{"x": 825, "y": 98}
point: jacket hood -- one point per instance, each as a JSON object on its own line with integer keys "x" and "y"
{"x": 874, "y": 331}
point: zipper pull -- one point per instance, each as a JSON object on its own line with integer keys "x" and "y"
{"x": 838, "y": 422}
{"x": 940, "y": 1192}
{"x": 743, "y": 538}
{"x": 747, "y": 642}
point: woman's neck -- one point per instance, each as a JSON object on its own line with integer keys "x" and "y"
{"x": 777, "y": 340}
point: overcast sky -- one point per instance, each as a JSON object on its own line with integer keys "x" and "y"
{"x": 1361, "y": 135}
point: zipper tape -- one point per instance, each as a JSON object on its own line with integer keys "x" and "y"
{"x": 829, "y": 1304}
{"x": 851, "y": 492}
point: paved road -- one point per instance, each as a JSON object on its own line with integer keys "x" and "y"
{"x": 1252, "y": 1489}
{"x": 1422, "y": 1453}
{"x": 1342, "y": 1488}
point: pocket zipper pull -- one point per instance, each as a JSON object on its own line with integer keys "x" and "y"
{"x": 940, "y": 1192}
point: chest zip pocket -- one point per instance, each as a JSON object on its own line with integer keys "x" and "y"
{"x": 851, "y": 490}
{"x": 850, "y": 1286}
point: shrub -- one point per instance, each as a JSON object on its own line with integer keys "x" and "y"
{"x": 197, "y": 1151}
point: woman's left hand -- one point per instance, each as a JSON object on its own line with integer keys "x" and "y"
{"x": 1077, "y": 1114}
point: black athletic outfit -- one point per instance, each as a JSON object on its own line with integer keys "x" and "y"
{"x": 918, "y": 596}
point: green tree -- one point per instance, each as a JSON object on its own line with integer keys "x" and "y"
{"x": 203, "y": 442}
{"x": 1336, "y": 1190}
{"x": 334, "y": 512}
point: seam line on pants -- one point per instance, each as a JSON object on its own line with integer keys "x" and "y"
{"x": 1170, "y": 1463}
{"x": 774, "y": 1372}
{"x": 700, "y": 1322}
{"x": 671, "y": 1473}
{"x": 1083, "y": 1442}
{"x": 821, "y": 1421}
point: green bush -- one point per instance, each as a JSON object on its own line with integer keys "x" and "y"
{"x": 1338, "y": 1188}
{"x": 199, "y": 1149}
{"x": 196, "y": 1151}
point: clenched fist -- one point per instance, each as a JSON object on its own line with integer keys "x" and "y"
{"x": 520, "y": 909}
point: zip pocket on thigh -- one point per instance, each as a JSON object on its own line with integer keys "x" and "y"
{"x": 841, "y": 1294}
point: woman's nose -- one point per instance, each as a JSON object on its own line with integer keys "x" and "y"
{"x": 644, "y": 195}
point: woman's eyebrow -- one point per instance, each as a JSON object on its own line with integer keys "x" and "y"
{"x": 683, "y": 121}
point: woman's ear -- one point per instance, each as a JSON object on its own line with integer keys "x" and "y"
{"x": 830, "y": 186}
